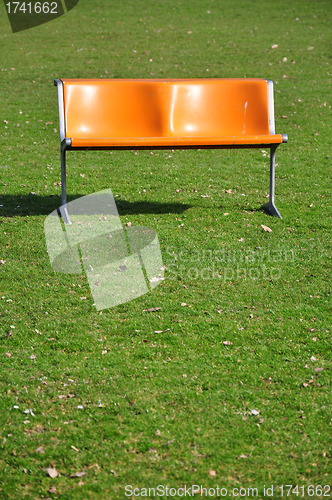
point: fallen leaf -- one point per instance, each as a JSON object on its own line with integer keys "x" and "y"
{"x": 52, "y": 489}
{"x": 254, "y": 412}
{"x": 212, "y": 473}
{"x": 152, "y": 309}
{"x": 169, "y": 442}
{"x": 114, "y": 473}
{"x": 32, "y": 356}
{"x": 74, "y": 448}
{"x": 128, "y": 224}
{"x": 153, "y": 450}
{"x": 52, "y": 472}
{"x": 229, "y": 191}
{"x": 313, "y": 358}
{"x": 183, "y": 304}
{"x": 78, "y": 474}
{"x": 8, "y": 354}
{"x": 243, "y": 456}
{"x": 305, "y": 385}
{"x": 227, "y": 342}
{"x": 266, "y": 228}
{"x": 317, "y": 370}
{"x": 274, "y": 46}
{"x": 2, "y": 261}
{"x": 40, "y": 449}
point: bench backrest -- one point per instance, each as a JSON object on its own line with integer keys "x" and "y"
{"x": 167, "y": 108}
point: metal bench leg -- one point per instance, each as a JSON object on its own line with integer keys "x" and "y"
{"x": 270, "y": 206}
{"x": 63, "y": 208}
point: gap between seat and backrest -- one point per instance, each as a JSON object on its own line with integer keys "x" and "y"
{"x": 129, "y": 113}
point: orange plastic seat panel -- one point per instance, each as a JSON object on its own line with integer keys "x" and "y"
{"x": 142, "y": 113}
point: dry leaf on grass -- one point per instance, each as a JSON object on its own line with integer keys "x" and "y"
{"x": 94, "y": 465}
{"x": 40, "y": 449}
{"x": 227, "y": 342}
{"x": 52, "y": 472}
{"x": 169, "y": 442}
{"x": 78, "y": 474}
{"x": 52, "y": 489}
{"x": 212, "y": 473}
{"x": 74, "y": 448}
{"x": 266, "y": 228}
{"x": 152, "y": 309}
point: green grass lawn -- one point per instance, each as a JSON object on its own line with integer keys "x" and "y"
{"x": 232, "y": 389}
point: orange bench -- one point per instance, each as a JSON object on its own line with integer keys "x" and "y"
{"x": 167, "y": 114}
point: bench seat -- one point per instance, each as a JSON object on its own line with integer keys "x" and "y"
{"x": 171, "y": 142}
{"x": 167, "y": 114}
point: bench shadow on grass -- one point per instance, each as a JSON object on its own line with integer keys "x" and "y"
{"x": 24, "y": 205}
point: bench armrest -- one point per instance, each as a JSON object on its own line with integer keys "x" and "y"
{"x": 58, "y": 83}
